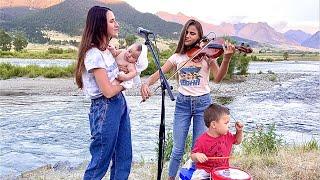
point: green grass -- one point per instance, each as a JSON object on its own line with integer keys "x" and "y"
{"x": 9, "y": 71}
{"x": 51, "y": 53}
{"x": 169, "y": 146}
{"x": 307, "y": 56}
{"x": 311, "y": 145}
{"x": 262, "y": 141}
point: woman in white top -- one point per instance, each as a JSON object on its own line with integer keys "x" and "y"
{"x": 193, "y": 97}
{"x": 96, "y": 73}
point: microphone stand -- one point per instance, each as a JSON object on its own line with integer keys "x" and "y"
{"x": 164, "y": 86}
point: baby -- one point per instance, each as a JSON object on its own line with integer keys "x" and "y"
{"x": 134, "y": 60}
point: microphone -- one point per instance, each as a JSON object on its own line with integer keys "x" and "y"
{"x": 143, "y": 31}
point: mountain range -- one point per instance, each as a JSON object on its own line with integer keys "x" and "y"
{"x": 313, "y": 41}
{"x": 260, "y": 32}
{"x": 68, "y": 16}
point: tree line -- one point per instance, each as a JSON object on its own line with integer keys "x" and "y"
{"x": 16, "y": 40}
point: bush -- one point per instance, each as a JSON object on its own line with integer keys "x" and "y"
{"x": 19, "y": 41}
{"x": 262, "y": 142}
{"x": 254, "y": 58}
{"x": 269, "y": 60}
{"x": 311, "y": 145}
{"x": 285, "y": 55}
{"x": 55, "y": 50}
{"x": 169, "y": 146}
{"x": 243, "y": 64}
{"x": 152, "y": 66}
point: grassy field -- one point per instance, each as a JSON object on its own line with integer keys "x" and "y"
{"x": 11, "y": 71}
{"x": 51, "y": 53}
{"x": 291, "y": 56}
{"x": 289, "y": 163}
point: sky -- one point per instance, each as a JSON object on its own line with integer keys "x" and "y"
{"x": 282, "y": 15}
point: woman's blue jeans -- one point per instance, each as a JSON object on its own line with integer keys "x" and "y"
{"x": 111, "y": 138}
{"x": 187, "y": 108}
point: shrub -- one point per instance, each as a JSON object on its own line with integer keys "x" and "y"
{"x": 262, "y": 142}
{"x": 55, "y": 50}
{"x": 243, "y": 64}
{"x": 169, "y": 146}
{"x": 311, "y": 145}
{"x": 268, "y": 59}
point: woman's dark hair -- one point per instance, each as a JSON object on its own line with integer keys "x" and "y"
{"x": 181, "y": 48}
{"x": 94, "y": 35}
{"x": 214, "y": 112}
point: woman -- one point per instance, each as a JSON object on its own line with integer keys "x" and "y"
{"x": 193, "y": 97}
{"x": 95, "y": 73}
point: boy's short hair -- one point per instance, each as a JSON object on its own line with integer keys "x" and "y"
{"x": 214, "y": 113}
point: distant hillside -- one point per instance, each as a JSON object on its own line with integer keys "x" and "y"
{"x": 10, "y": 14}
{"x": 69, "y": 17}
{"x": 313, "y": 41}
{"x": 262, "y": 32}
{"x": 297, "y": 36}
{"x": 37, "y": 4}
{"x": 240, "y": 40}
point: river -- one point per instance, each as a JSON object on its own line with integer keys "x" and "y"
{"x": 37, "y": 130}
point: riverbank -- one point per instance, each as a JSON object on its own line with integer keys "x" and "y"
{"x": 288, "y": 163}
{"x": 238, "y": 86}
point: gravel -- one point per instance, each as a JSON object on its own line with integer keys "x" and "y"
{"x": 238, "y": 86}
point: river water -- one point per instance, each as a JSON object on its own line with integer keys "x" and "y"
{"x": 37, "y": 130}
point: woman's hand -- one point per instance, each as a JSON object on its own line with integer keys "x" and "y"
{"x": 145, "y": 91}
{"x": 228, "y": 50}
{"x": 123, "y": 68}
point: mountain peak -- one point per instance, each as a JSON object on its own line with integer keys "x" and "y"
{"x": 297, "y": 35}
{"x": 313, "y": 41}
{"x": 180, "y": 14}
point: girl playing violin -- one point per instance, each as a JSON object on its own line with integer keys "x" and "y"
{"x": 193, "y": 97}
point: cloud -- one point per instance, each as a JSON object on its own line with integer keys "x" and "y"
{"x": 236, "y": 19}
{"x": 279, "y": 26}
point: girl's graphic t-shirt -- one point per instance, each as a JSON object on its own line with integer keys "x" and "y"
{"x": 193, "y": 77}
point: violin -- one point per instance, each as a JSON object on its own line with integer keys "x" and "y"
{"x": 213, "y": 49}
